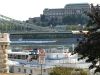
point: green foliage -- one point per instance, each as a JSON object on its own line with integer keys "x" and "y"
{"x": 74, "y": 27}
{"x": 66, "y": 71}
{"x": 75, "y": 19}
{"x": 89, "y": 46}
{"x": 68, "y": 19}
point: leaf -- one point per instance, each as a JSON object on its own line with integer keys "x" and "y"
{"x": 91, "y": 66}
{"x": 97, "y": 70}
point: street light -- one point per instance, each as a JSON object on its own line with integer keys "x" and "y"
{"x": 41, "y": 57}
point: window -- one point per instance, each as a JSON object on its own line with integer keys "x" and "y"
{"x": 19, "y": 69}
{"x": 24, "y": 70}
{"x": 1, "y": 36}
{"x": 18, "y": 57}
{"x": 23, "y": 57}
{"x": 9, "y": 56}
{"x": 44, "y": 70}
{"x": 26, "y": 56}
{"x": 31, "y": 71}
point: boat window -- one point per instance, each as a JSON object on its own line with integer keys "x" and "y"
{"x": 14, "y": 56}
{"x": 26, "y": 56}
{"x": 19, "y": 69}
{"x": 23, "y": 56}
{"x": 44, "y": 70}
{"x": 31, "y": 71}
{"x": 9, "y": 56}
{"x": 18, "y": 56}
{"x": 24, "y": 70}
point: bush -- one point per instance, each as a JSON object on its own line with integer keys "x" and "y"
{"x": 67, "y": 71}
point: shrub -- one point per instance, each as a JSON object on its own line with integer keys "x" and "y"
{"x": 67, "y": 71}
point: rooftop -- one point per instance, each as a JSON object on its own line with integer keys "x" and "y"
{"x": 77, "y": 5}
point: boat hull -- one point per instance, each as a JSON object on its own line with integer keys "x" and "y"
{"x": 55, "y": 56}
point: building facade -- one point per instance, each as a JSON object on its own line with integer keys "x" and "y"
{"x": 77, "y": 9}
{"x": 69, "y": 9}
{"x": 56, "y": 14}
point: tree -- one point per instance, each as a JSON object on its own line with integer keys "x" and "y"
{"x": 89, "y": 46}
{"x": 75, "y": 19}
{"x": 67, "y": 71}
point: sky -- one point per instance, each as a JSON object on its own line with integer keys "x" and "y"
{"x": 24, "y": 9}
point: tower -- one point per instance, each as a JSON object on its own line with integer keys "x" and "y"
{"x": 4, "y": 43}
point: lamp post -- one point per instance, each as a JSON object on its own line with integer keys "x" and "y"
{"x": 41, "y": 69}
{"x": 41, "y": 57}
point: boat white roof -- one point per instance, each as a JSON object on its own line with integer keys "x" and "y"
{"x": 19, "y": 53}
{"x": 12, "y": 62}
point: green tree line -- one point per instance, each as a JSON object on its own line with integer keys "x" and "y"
{"x": 75, "y": 19}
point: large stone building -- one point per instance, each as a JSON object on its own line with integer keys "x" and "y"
{"x": 54, "y": 13}
{"x": 69, "y": 9}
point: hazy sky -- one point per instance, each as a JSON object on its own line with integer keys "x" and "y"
{"x": 24, "y": 9}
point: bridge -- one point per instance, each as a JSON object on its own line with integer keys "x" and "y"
{"x": 44, "y": 35}
{"x": 43, "y": 39}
